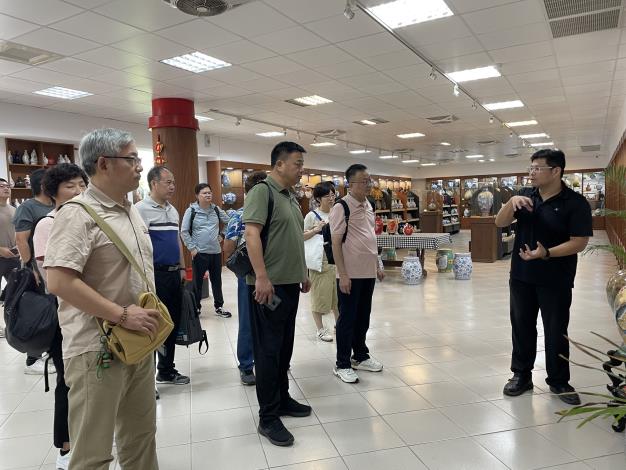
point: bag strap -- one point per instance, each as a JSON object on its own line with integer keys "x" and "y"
{"x": 117, "y": 241}
{"x": 317, "y": 215}
{"x": 270, "y": 208}
{"x": 193, "y": 216}
{"x": 346, "y": 210}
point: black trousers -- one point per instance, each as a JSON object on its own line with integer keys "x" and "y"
{"x": 554, "y": 303}
{"x": 202, "y": 263}
{"x": 273, "y": 335}
{"x": 61, "y": 432}
{"x": 169, "y": 290}
{"x": 354, "y": 321}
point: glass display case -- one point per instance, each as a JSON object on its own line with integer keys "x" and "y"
{"x": 594, "y": 189}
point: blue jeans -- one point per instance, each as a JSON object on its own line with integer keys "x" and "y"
{"x": 245, "y": 354}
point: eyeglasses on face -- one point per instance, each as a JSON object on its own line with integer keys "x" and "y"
{"x": 366, "y": 182}
{"x": 131, "y": 157}
{"x": 538, "y": 169}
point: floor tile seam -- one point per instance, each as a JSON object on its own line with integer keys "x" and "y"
{"x": 411, "y": 448}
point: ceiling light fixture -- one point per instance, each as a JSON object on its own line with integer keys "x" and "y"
{"x": 196, "y": 62}
{"x": 399, "y": 13}
{"x": 504, "y": 105}
{"x": 313, "y": 100}
{"x": 432, "y": 75}
{"x": 63, "y": 93}
{"x": 492, "y": 159}
{"x": 412, "y": 135}
{"x": 531, "y": 122}
{"x": 481, "y": 161}
{"x": 367, "y": 122}
{"x": 360, "y": 151}
{"x": 387, "y": 157}
{"x": 429, "y": 164}
{"x": 348, "y": 12}
{"x": 270, "y": 134}
{"x": 474, "y": 74}
{"x": 533, "y": 136}
{"x": 410, "y": 161}
{"x": 285, "y": 131}
{"x": 542, "y": 144}
{"x": 323, "y": 144}
{"x": 490, "y": 119}
{"x": 474, "y": 156}
{"x": 455, "y": 90}
{"x": 474, "y": 106}
{"x": 445, "y": 144}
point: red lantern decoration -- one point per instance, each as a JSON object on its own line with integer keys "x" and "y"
{"x": 159, "y": 159}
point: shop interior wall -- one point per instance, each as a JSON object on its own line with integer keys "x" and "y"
{"x": 616, "y": 200}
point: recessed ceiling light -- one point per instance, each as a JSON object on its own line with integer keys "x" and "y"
{"x": 533, "y": 136}
{"x": 387, "y": 157}
{"x": 311, "y": 174}
{"x": 474, "y": 74}
{"x": 250, "y": 169}
{"x": 531, "y": 122}
{"x": 543, "y": 144}
{"x": 367, "y": 122}
{"x": 411, "y": 135}
{"x": 429, "y": 164}
{"x": 445, "y": 144}
{"x": 410, "y": 161}
{"x": 270, "y": 134}
{"x": 230, "y": 168}
{"x": 323, "y": 144}
{"x": 63, "y": 93}
{"x": 492, "y": 159}
{"x": 481, "y": 161}
{"x": 313, "y": 100}
{"x": 360, "y": 151}
{"x": 196, "y": 62}
{"x": 504, "y": 105}
{"x": 474, "y": 156}
{"x": 324, "y": 176}
{"x": 399, "y": 13}
{"x": 203, "y": 118}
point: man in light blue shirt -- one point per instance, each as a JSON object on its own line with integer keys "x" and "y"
{"x": 201, "y": 234}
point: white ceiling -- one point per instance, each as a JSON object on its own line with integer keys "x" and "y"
{"x": 280, "y": 49}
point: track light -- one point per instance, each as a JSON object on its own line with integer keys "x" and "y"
{"x": 348, "y": 12}
{"x": 315, "y": 139}
{"x": 455, "y": 90}
{"x": 474, "y": 107}
{"x": 238, "y": 122}
{"x": 511, "y": 134}
{"x": 285, "y": 131}
{"x": 490, "y": 119}
{"x": 432, "y": 75}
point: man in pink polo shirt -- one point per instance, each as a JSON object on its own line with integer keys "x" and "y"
{"x": 357, "y": 268}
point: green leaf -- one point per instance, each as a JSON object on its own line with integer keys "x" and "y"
{"x": 616, "y": 250}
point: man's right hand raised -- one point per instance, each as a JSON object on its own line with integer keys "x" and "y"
{"x": 522, "y": 202}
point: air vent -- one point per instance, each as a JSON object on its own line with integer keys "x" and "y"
{"x": 25, "y": 55}
{"x": 574, "y": 25}
{"x": 447, "y": 119}
{"x": 562, "y": 8}
{"x": 403, "y": 150}
{"x": 590, "y": 148}
{"x": 488, "y": 142}
{"x": 205, "y": 7}
{"x": 331, "y": 133}
{"x": 458, "y": 150}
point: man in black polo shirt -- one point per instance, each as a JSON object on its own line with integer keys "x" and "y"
{"x": 553, "y": 226}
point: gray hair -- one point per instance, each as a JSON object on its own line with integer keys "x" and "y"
{"x": 100, "y": 142}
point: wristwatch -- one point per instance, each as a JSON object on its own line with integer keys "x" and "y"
{"x": 547, "y": 256}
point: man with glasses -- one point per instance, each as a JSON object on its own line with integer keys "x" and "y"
{"x": 95, "y": 282}
{"x": 162, "y": 220}
{"x": 9, "y": 257}
{"x": 553, "y": 226}
{"x": 356, "y": 259}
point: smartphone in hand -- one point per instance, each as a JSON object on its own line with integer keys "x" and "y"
{"x": 272, "y": 304}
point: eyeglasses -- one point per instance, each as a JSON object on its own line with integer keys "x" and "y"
{"x": 538, "y": 169}
{"x": 367, "y": 182}
{"x": 136, "y": 161}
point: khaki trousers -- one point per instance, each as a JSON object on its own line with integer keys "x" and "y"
{"x": 120, "y": 401}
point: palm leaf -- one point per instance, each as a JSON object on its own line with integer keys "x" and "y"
{"x": 618, "y": 251}
{"x": 612, "y": 213}
{"x": 616, "y": 174}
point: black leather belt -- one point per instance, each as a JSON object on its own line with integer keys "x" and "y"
{"x": 167, "y": 267}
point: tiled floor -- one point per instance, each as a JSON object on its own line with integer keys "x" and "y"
{"x": 438, "y": 403}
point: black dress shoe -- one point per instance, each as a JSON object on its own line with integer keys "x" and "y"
{"x": 292, "y": 408}
{"x": 517, "y": 385}
{"x": 566, "y": 393}
{"x": 276, "y": 433}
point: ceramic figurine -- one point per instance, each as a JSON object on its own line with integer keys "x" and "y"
{"x": 411, "y": 270}
{"x": 462, "y": 266}
{"x": 466, "y": 212}
{"x": 67, "y": 159}
{"x": 25, "y": 158}
{"x": 27, "y": 181}
{"x": 44, "y": 159}
{"x": 33, "y": 158}
{"x": 11, "y": 182}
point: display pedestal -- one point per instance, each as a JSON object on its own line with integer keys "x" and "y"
{"x": 486, "y": 239}
{"x": 432, "y": 222}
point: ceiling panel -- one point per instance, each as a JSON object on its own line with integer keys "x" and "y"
{"x": 96, "y": 27}
{"x": 369, "y": 46}
{"x": 452, "y": 48}
{"x": 198, "y": 34}
{"x": 336, "y": 28}
{"x": 144, "y": 14}
{"x": 326, "y": 55}
{"x": 272, "y": 65}
{"x": 506, "y": 16}
{"x": 239, "y": 52}
{"x": 385, "y": 62}
{"x": 252, "y": 20}
{"x": 152, "y": 46}
{"x": 42, "y": 12}
{"x": 290, "y": 40}
{"x": 79, "y": 68}
{"x": 56, "y": 41}
{"x": 527, "y": 34}
{"x": 12, "y": 27}
{"x": 111, "y": 57}
{"x": 304, "y": 11}
{"x": 431, "y": 32}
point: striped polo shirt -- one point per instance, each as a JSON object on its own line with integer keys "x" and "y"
{"x": 162, "y": 223}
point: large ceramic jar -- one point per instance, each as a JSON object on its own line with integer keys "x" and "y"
{"x": 392, "y": 226}
{"x": 379, "y": 225}
{"x": 411, "y": 270}
{"x": 616, "y": 282}
{"x": 462, "y": 266}
{"x": 620, "y": 316}
{"x": 485, "y": 202}
{"x": 444, "y": 260}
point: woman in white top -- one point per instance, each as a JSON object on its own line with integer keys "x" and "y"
{"x": 323, "y": 283}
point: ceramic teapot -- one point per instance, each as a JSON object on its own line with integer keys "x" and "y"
{"x": 379, "y": 225}
{"x": 408, "y": 230}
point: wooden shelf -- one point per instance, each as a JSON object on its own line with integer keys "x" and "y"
{"x": 397, "y": 210}
{"x": 381, "y": 211}
{"x": 23, "y": 166}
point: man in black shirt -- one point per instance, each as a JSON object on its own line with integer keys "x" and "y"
{"x": 553, "y": 226}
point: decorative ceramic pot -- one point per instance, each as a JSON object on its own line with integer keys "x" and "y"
{"x": 33, "y": 157}
{"x": 466, "y": 212}
{"x": 225, "y": 180}
{"x": 392, "y": 226}
{"x": 44, "y": 159}
{"x": 336, "y": 181}
{"x": 444, "y": 260}
{"x": 615, "y": 283}
{"x": 462, "y": 266}
{"x": 379, "y": 225}
{"x": 408, "y": 230}
{"x": 25, "y": 158}
{"x": 432, "y": 206}
{"x": 411, "y": 270}
{"x": 620, "y": 316}
{"x": 468, "y": 195}
{"x": 485, "y": 202}
{"x": 229, "y": 198}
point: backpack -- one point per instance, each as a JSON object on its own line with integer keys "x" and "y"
{"x": 190, "y": 330}
{"x": 193, "y": 216}
{"x": 328, "y": 244}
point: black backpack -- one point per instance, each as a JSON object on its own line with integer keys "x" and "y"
{"x": 193, "y": 216}
{"x": 328, "y": 244}
{"x": 190, "y": 330}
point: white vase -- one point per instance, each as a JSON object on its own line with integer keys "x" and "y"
{"x": 25, "y": 158}
{"x": 33, "y": 157}
{"x": 485, "y": 202}
{"x": 44, "y": 159}
{"x": 462, "y": 266}
{"x": 411, "y": 270}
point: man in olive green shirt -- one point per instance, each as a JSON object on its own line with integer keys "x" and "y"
{"x": 274, "y": 290}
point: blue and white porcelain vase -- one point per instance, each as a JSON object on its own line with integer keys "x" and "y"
{"x": 411, "y": 270}
{"x": 462, "y": 266}
{"x": 485, "y": 202}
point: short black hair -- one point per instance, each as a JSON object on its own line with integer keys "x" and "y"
{"x": 201, "y": 186}
{"x": 554, "y": 158}
{"x": 354, "y": 169}
{"x": 36, "y": 177}
{"x": 155, "y": 174}
{"x": 282, "y": 151}
{"x": 3, "y": 180}
{"x": 59, "y": 174}
{"x": 322, "y": 189}
{"x": 254, "y": 179}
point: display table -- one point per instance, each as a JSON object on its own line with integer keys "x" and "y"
{"x": 420, "y": 242}
{"x": 486, "y": 241}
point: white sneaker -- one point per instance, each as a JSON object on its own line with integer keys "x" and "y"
{"x": 63, "y": 461}
{"x": 371, "y": 365}
{"x": 347, "y": 375}
{"x": 324, "y": 335}
{"x": 1, "y": 332}
{"x": 38, "y": 367}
